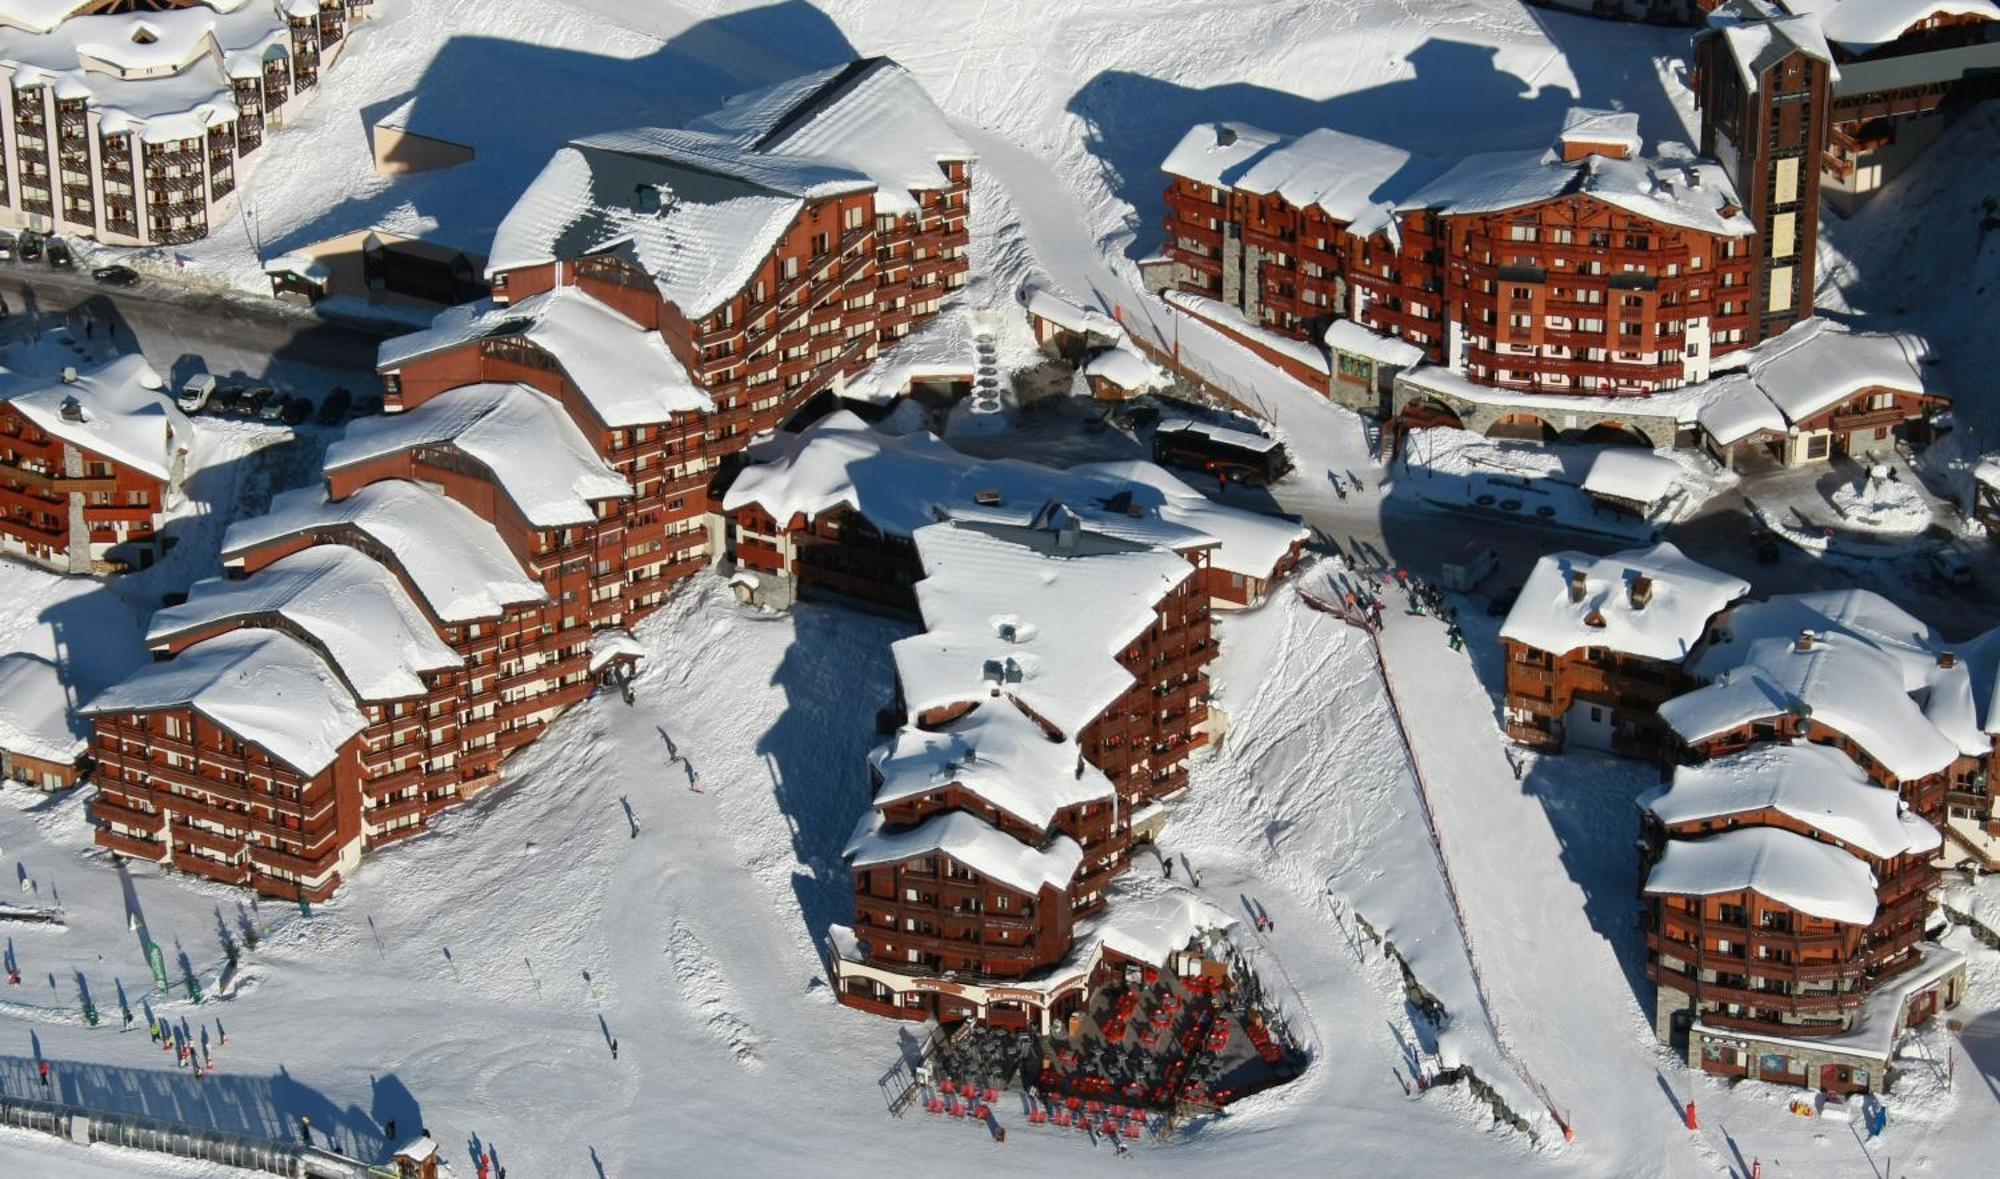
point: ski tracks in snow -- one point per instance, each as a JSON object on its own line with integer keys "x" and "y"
{"x": 707, "y": 993}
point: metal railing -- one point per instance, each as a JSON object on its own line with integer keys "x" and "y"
{"x": 85, "y": 1126}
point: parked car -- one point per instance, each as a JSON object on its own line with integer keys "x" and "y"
{"x": 334, "y": 406}
{"x": 59, "y": 255}
{"x": 273, "y": 408}
{"x": 195, "y": 393}
{"x": 1951, "y": 566}
{"x": 115, "y": 276}
{"x": 225, "y": 399}
{"x": 8, "y": 243}
{"x": 30, "y": 246}
{"x": 297, "y": 410}
{"x": 1468, "y": 567}
{"x": 254, "y": 401}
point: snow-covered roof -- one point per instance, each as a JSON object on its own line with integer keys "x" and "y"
{"x": 265, "y": 687}
{"x": 1152, "y": 929}
{"x": 613, "y": 643}
{"x": 299, "y": 264}
{"x": 1241, "y": 439}
{"x": 1001, "y": 616}
{"x": 1126, "y": 369}
{"x": 996, "y": 753}
{"x": 1674, "y": 191}
{"x": 700, "y": 209}
{"x": 1585, "y": 126}
{"x": 125, "y": 416}
{"x": 1758, "y": 45}
{"x": 1987, "y": 472}
{"x": 1862, "y": 25}
{"x": 416, "y": 1150}
{"x": 1813, "y": 365}
{"x": 1549, "y": 616}
{"x": 1043, "y": 303}
{"x": 624, "y": 371}
{"x": 1792, "y": 869}
{"x": 869, "y": 115}
{"x": 1216, "y": 311}
{"x": 1629, "y": 473}
{"x": 1840, "y": 681}
{"x": 165, "y": 73}
{"x": 1345, "y": 335}
{"x": 973, "y": 842}
{"x": 535, "y": 452}
{"x": 1354, "y": 180}
{"x": 1814, "y": 784}
{"x": 903, "y": 482}
{"x": 352, "y": 608}
{"x": 35, "y": 715}
{"x": 457, "y": 561}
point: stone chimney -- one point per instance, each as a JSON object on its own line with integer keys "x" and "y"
{"x": 1807, "y": 640}
{"x": 1947, "y": 659}
{"x": 1578, "y": 583}
{"x": 1641, "y": 592}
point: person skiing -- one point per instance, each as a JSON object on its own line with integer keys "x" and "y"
{"x": 45, "y": 1074}
{"x": 614, "y": 1048}
{"x": 306, "y": 1129}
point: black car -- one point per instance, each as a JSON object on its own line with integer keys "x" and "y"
{"x": 297, "y": 409}
{"x": 335, "y": 406}
{"x": 30, "y": 246}
{"x": 59, "y": 255}
{"x": 115, "y": 276}
{"x": 224, "y": 400}
{"x": 253, "y": 403}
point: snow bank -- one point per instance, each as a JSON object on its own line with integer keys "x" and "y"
{"x": 1782, "y": 866}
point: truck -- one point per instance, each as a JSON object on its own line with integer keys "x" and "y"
{"x": 1470, "y": 565}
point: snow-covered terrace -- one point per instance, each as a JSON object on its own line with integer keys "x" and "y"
{"x": 624, "y": 371}
{"x": 456, "y": 561}
{"x": 536, "y": 454}
{"x": 1001, "y": 616}
{"x": 352, "y": 608}
{"x": 1653, "y": 603}
{"x": 995, "y": 753}
{"x": 35, "y": 715}
{"x": 267, "y": 688}
{"x": 1816, "y": 785}
{"x": 1784, "y": 866}
{"x": 125, "y": 415}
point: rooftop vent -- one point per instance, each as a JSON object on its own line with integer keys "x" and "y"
{"x": 72, "y": 410}
{"x": 69, "y": 374}
{"x": 1009, "y": 633}
{"x": 1642, "y": 592}
{"x": 1578, "y": 582}
{"x": 645, "y": 198}
{"x": 987, "y": 497}
{"x": 1807, "y": 640}
{"x": 1594, "y": 619}
{"x": 1225, "y": 136}
{"x": 1947, "y": 659}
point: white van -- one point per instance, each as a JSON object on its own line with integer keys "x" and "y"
{"x": 195, "y": 394}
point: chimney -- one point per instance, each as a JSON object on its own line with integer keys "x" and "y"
{"x": 1225, "y": 136}
{"x": 1577, "y": 583}
{"x": 987, "y": 497}
{"x": 72, "y": 409}
{"x": 1806, "y": 640}
{"x": 1947, "y": 659}
{"x": 1642, "y": 592}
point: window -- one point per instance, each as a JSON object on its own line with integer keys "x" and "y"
{"x": 1522, "y": 233}
{"x": 1785, "y": 180}
{"x": 1779, "y": 296}
{"x": 1784, "y": 235}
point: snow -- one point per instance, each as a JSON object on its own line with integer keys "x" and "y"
{"x": 455, "y": 560}
{"x": 1242, "y": 439}
{"x": 1874, "y": 1032}
{"x": 1216, "y": 311}
{"x": 1783, "y": 866}
{"x": 1345, "y": 335}
{"x": 1816, "y": 364}
{"x": 38, "y": 15}
{"x": 1881, "y": 504}
{"x": 126, "y": 416}
{"x": 1685, "y": 596}
{"x": 995, "y": 753}
{"x": 307, "y": 268}
{"x": 1356, "y": 181}
{"x": 1044, "y": 303}
{"x": 1153, "y": 929}
{"x": 973, "y": 842}
{"x": 1639, "y": 476}
{"x": 537, "y": 455}
{"x": 1862, "y": 25}
{"x": 36, "y": 710}
{"x": 1586, "y": 127}
{"x": 1817, "y": 785}
{"x": 1668, "y": 189}
{"x": 353, "y": 609}
{"x": 1126, "y": 369}
{"x": 612, "y": 643}
{"x": 1841, "y": 682}
{"x": 1737, "y": 409}
{"x": 1069, "y": 617}
{"x": 1758, "y": 46}
{"x": 625, "y": 372}
{"x": 266, "y": 688}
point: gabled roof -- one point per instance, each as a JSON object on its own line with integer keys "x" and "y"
{"x": 36, "y": 718}
{"x": 1353, "y": 180}
{"x": 973, "y": 842}
{"x": 354, "y": 610}
{"x": 1791, "y": 869}
{"x": 1813, "y": 784}
{"x": 457, "y": 561}
{"x": 626, "y": 373}
{"x": 1813, "y": 365}
{"x": 1684, "y": 596}
{"x": 264, "y": 687}
{"x": 1755, "y": 46}
{"x": 535, "y": 452}
{"x": 995, "y": 753}
{"x": 123, "y": 413}
{"x": 1672, "y": 189}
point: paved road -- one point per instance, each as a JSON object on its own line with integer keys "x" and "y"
{"x": 233, "y": 335}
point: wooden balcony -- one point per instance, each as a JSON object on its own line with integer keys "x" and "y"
{"x": 129, "y": 845}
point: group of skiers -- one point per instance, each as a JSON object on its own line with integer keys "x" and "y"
{"x": 190, "y": 1046}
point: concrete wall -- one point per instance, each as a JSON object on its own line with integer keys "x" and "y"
{"x": 1662, "y": 430}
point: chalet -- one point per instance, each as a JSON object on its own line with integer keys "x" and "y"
{"x": 131, "y": 127}
{"x": 1066, "y": 330}
{"x": 1595, "y": 644}
{"x": 90, "y": 466}
{"x": 1787, "y": 901}
{"x": 42, "y": 743}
